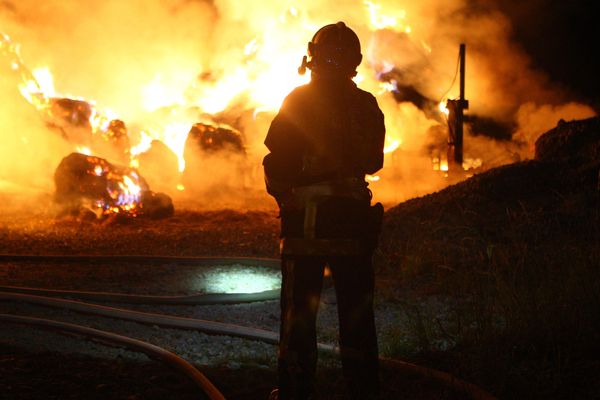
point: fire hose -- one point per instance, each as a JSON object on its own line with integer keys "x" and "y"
{"x": 198, "y": 299}
{"x": 210, "y": 327}
{"x": 152, "y": 351}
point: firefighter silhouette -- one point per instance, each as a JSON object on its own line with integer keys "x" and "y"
{"x": 327, "y": 135}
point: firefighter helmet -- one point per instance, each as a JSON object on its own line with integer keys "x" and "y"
{"x": 333, "y": 50}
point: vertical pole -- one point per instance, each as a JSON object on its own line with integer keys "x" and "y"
{"x": 462, "y": 70}
{"x": 456, "y": 109}
{"x": 458, "y": 145}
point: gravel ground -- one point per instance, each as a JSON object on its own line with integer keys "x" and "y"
{"x": 241, "y": 368}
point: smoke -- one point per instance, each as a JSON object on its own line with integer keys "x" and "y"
{"x": 184, "y": 61}
{"x": 28, "y": 151}
{"x": 108, "y": 51}
{"x": 534, "y": 120}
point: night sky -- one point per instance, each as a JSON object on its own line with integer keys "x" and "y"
{"x": 562, "y": 39}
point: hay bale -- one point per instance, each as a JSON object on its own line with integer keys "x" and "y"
{"x": 576, "y": 142}
{"x": 88, "y": 182}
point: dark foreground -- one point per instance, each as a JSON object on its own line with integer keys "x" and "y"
{"x": 34, "y": 370}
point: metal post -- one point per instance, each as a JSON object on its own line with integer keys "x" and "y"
{"x": 456, "y": 116}
{"x": 462, "y": 70}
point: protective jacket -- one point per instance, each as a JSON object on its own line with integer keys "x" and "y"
{"x": 327, "y": 136}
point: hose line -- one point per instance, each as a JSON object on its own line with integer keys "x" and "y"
{"x": 38, "y": 296}
{"x": 152, "y": 351}
{"x": 210, "y": 327}
{"x": 197, "y": 299}
{"x": 132, "y": 258}
{"x": 219, "y": 328}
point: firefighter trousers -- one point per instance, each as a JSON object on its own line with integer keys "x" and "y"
{"x": 300, "y": 295}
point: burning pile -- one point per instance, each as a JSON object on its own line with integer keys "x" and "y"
{"x": 207, "y": 147}
{"x": 94, "y": 183}
{"x": 196, "y": 83}
{"x": 89, "y": 181}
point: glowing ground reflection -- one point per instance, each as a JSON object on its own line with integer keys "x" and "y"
{"x": 238, "y": 279}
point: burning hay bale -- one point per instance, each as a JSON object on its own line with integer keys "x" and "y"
{"x": 116, "y": 138}
{"x": 91, "y": 182}
{"x": 213, "y": 139}
{"x": 215, "y": 156}
{"x": 71, "y": 118}
{"x": 76, "y": 113}
{"x": 76, "y": 120}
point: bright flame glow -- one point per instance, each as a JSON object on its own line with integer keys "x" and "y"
{"x": 382, "y": 21}
{"x": 251, "y": 47}
{"x": 44, "y": 80}
{"x": 37, "y": 86}
{"x": 444, "y": 165}
{"x": 130, "y": 192}
{"x": 101, "y": 120}
{"x": 440, "y": 164}
{"x": 174, "y": 136}
{"x": 217, "y": 97}
{"x": 391, "y": 144}
{"x": 84, "y": 150}
{"x": 472, "y": 163}
{"x": 387, "y": 87}
{"x": 143, "y": 145}
{"x": 443, "y": 108}
{"x": 159, "y": 93}
{"x": 267, "y": 88}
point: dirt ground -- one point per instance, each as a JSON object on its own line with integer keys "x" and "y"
{"x": 34, "y": 373}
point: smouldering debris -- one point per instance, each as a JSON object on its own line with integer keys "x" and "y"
{"x": 84, "y": 181}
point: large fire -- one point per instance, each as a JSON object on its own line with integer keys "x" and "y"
{"x": 237, "y": 83}
{"x": 263, "y": 74}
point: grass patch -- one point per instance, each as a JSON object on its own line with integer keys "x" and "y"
{"x": 522, "y": 276}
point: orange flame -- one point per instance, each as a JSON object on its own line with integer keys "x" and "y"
{"x": 382, "y": 21}
{"x": 256, "y": 75}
